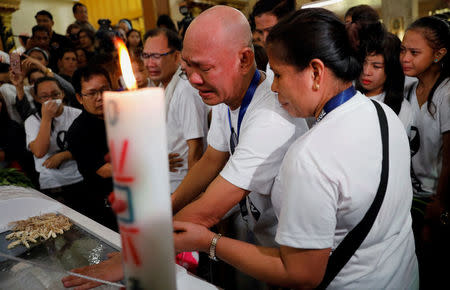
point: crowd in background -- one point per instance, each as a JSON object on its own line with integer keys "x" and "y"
{"x": 52, "y": 128}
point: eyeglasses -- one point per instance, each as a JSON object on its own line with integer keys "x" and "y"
{"x": 54, "y": 95}
{"x": 95, "y": 93}
{"x": 155, "y": 56}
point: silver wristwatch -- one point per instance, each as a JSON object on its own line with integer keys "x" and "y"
{"x": 212, "y": 247}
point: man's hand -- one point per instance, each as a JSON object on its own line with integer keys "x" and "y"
{"x": 54, "y": 161}
{"x": 191, "y": 237}
{"x": 109, "y": 270}
{"x": 174, "y": 162}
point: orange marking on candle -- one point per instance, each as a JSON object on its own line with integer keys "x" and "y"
{"x": 133, "y": 251}
{"x": 123, "y": 156}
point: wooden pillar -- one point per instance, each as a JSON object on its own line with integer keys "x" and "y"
{"x": 162, "y": 7}
{"x": 150, "y": 14}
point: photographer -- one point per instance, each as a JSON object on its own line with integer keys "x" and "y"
{"x": 186, "y": 21}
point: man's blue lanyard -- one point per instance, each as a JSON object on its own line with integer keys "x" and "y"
{"x": 245, "y": 102}
{"x": 336, "y": 101}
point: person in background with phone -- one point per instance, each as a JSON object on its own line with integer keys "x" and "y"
{"x": 46, "y": 138}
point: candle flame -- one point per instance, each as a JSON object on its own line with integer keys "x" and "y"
{"x": 125, "y": 64}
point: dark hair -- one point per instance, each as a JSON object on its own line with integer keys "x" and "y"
{"x": 75, "y": 7}
{"x": 261, "y": 58}
{"x": 165, "y": 20}
{"x": 71, "y": 26}
{"x": 85, "y": 74}
{"x": 128, "y": 22}
{"x": 388, "y": 45}
{"x": 44, "y": 53}
{"x": 45, "y": 79}
{"x": 38, "y": 112}
{"x": 4, "y": 67}
{"x": 362, "y": 13}
{"x": 140, "y": 38}
{"x": 279, "y": 8}
{"x": 44, "y": 13}
{"x": 437, "y": 33}
{"x": 32, "y": 71}
{"x": 64, "y": 51}
{"x": 88, "y": 32}
{"x": 173, "y": 40}
{"x": 295, "y": 41}
{"x": 37, "y": 28}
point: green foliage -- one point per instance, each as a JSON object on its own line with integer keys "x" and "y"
{"x": 11, "y": 176}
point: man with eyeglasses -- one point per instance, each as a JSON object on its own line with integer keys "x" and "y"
{"x": 186, "y": 114}
{"x": 88, "y": 144}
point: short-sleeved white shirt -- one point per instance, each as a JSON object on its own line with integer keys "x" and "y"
{"x": 67, "y": 173}
{"x": 328, "y": 180}
{"x": 405, "y": 115}
{"x": 186, "y": 120}
{"x": 427, "y": 140}
{"x": 265, "y": 134}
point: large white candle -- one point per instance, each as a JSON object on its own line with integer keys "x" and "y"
{"x": 136, "y": 130}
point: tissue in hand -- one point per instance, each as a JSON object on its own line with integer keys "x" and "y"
{"x": 57, "y": 101}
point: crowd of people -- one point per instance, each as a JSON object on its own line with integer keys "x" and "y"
{"x": 326, "y": 142}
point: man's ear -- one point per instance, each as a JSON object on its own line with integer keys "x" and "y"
{"x": 79, "y": 98}
{"x": 246, "y": 59}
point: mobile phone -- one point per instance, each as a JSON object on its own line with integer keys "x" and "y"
{"x": 14, "y": 62}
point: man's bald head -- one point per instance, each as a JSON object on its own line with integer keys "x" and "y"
{"x": 221, "y": 26}
{"x": 218, "y": 55}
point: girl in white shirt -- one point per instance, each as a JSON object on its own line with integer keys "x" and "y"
{"x": 425, "y": 55}
{"x": 382, "y": 76}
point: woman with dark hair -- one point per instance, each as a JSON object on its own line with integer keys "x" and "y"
{"x": 87, "y": 40}
{"x": 164, "y": 21}
{"x": 382, "y": 76}
{"x": 330, "y": 176}
{"x": 46, "y": 139}
{"x": 134, "y": 43}
{"x": 425, "y": 55}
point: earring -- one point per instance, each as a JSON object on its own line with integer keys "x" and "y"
{"x": 316, "y": 86}
{"x": 436, "y": 60}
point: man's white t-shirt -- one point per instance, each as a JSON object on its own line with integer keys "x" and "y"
{"x": 327, "y": 182}
{"x": 405, "y": 115}
{"x": 265, "y": 134}
{"x": 186, "y": 119}
{"x": 426, "y": 143}
{"x": 67, "y": 173}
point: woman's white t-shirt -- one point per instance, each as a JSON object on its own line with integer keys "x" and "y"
{"x": 67, "y": 173}
{"x": 329, "y": 178}
{"x": 426, "y": 143}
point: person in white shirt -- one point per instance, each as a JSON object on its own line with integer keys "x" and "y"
{"x": 46, "y": 139}
{"x": 330, "y": 175}
{"x": 185, "y": 112}
{"x": 382, "y": 76}
{"x": 425, "y": 55}
{"x": 232, "y": 174}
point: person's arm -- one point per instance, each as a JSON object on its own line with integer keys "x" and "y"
{"x": 199, "y": 177}
{"x": 105, "y": 171}
{"x": 286, "y": 266}
{"x": 17, "y": 81}
{"x": 57, "y": 159}
{"x": 195, "y": 151}
{"x": 39, "y": 146}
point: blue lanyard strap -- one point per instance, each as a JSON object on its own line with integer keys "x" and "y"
{"x": 245, "y": 102}
{"x": 337, "y": 100}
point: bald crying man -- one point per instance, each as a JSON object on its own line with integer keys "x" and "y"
{"x": 248, "y": 137}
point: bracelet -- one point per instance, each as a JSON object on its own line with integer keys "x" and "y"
{"x": 212, "y": 247}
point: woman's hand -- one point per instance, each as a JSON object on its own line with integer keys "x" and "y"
{"x": 54, "y": 161}
{"x": 191, "y": 237}
{"x": 29, "y": 63}
{"x": 109, "y": 270}
{"x": 174, "y": 162}
{"x": 16, "y": 78}
{"x": 49, "y": 109}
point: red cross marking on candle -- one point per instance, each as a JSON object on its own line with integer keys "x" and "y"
{"x": 128, "y": 247}
{"x": 118, "y": 171}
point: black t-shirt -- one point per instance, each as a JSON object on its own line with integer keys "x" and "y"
{"x": 88, "y": 145}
